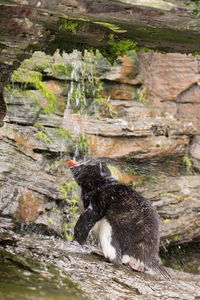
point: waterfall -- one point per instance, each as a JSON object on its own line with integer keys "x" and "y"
{"x": 81, "y": 97}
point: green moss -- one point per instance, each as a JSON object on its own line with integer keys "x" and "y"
{"x": 141, "y": 95}
{"x": 34, "y": 79}
{"x": 68, "y": 25}
{"x": 61, "y": 69}
{"x": 188, "y": 163}
{"x": 43, "y": 136}
{"x": 82, "y": 143}
{"x": 167, "y": 220}
{"x": 62, "y": 43}
{"x": 117, "y": 47}
{"x": 71, "y": 25}
{"x": 12, "y": 92}
{"x": 125, "y": 35}
{"x": 196, "y": 53}
{"x": 140, "y": 181}
{"x": 77, "y": 145}
{"x": 51, "y": 221}
{"x": 38, "y": 125}
{"x": 167, "y": 160}
{"x": 171, "y": 195}
{"x": 106, "y": 107}
{"x": 192, "y": 199}
{"x": 17, "y": 77}
{"x": 196, "y": 4}
{"x": 68, "y": 190}
{"x": 175, "y": 238}
{"x": 25, "y": 277}
{"x": 131, "y": 170}
{"x": 112, "y": 27}
{"x": 84, "y": 96}
{"x": 78, "y": 98}
{"x": 47, "y": 93}
{"x": 185, "y": 257}
{"x": 62, "y": 132}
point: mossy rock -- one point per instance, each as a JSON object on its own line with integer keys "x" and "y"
{"x": 38, "y": 62}
{"x": 25, "y": 278}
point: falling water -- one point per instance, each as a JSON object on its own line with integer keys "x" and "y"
{"x": 82, "y": 75}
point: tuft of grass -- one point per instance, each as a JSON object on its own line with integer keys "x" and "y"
{"x": 40, "y": 135}
{"x": 62, "y": 132}
{"x": 132, "y": 170}
{"x": 106, "y": 107}
{"x": 78, "y": 145}
{"x": 46, "y": 92}
{"x": 196, "y": 4}
{"x": 68, "y": 190}
{"x": 141, "y": 95}
{"x": 61, "y": 69}
{"x": 187, "y": 163}
{"x": 175, "y": 238}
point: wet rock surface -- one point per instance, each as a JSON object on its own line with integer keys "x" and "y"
{"x": 27, "y": 26}
{"x": 146, "y": 127}
{"x": 194, "y": 150}
{"x": 176, "y": 199}
{"x": 83, "y": 275}
{"x": 151, "y": 148}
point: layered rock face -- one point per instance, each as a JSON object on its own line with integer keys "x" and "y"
{"x": 133, "y": 114}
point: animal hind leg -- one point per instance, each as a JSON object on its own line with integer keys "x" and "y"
{"x": 135, "y": 267}
{"x": 97, "y": 252}
{"x": 134, "y": 263}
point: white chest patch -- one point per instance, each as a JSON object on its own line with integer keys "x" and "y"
{"x": 105, "y": 238}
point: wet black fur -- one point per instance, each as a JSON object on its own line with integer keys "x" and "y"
{"x": 134, "y": 222}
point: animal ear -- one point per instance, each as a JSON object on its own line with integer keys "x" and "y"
{"x": 71, "y": 163}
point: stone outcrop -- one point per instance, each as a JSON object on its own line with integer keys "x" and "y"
{"x": 138, "y": 136}
{"x": 141, "y": 115}
{"x": 178, "y": 92}
{"x": 177, "y": 201}
{"x": 63, "y": 268}
{"x": 195, "y": 152}
{"x": 27, "y": 26}
{"x": 151, "y": 121}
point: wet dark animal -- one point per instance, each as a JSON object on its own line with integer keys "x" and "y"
{"x": 126, "y": 224}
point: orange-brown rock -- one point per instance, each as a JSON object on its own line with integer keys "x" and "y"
{"x": 136, "y": 147}
{"x": 57, "y": 90}
{"x": 135, "y": 110}
{"x": 195, "y": 152}
{"x": 189, "y": 112}
{"x": 167, "y": 75}
{"x": 24, "y": 145}
{"x": 146, "y": 126}
{"x": 120, "y": 91}
{"x": 126, "y": 70}
{"x": 188, "y": 106}
{"x": 122, "y": 78}
{"x": 177, "y": 202}
{"x": 30, "y": 205}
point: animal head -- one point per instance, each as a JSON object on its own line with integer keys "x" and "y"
{"x": 89, "y": 174}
